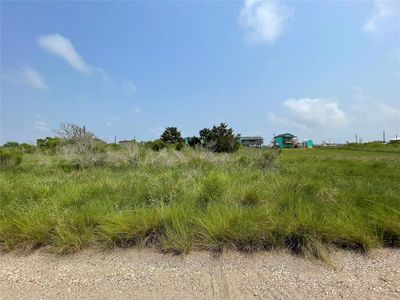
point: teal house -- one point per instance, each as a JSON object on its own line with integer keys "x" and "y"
{"x": 285, "y": 140}
{"x": 307, "y": 144}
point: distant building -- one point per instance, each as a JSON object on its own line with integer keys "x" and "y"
{"x": 394, "y": 141}
{"x": 307, "y": 144}
{"x": 251, "y": 141}
{"x": 285, "y": 140}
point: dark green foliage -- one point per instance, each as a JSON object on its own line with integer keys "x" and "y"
{"x": 27, "y": 148}
{"x": 194, "y": 141}
{"x": 179, "y": 145}
{"x": 156, "y": 145}
{"x": 23, "y": 148}
{"x": 171, "y": 135}
{"x": 220, "y": 138}
{"x": 11, "y": 144}
{"x": 48, "y": 144}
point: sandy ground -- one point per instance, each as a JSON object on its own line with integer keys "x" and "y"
{"x": 145, "y": 274}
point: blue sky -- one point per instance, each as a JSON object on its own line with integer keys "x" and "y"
{"x": 321, "y": 70}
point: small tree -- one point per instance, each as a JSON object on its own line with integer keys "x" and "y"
{"x": 194, "y": 141}
{"x": 171, "y": 135}
{"x": 87, "y": 150}
{"x": 220, "y": 138}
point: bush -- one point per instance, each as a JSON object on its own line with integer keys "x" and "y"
{"x": 11, "y": 144}
{"x": 10, "y": 158}
{"x": 156, "y": 145}
{"x": 82, "y": 147}
{"x": 49, "y": 144}
{"x": 179, "y": 146}
{"x": 27, "y": 148}
{"x": 267, "y": 159}
{"x": 194, "y": 141}
{"x": 171, "y": 135}
{"x": 220, "y": 139}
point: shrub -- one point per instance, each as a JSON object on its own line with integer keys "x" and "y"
{"x": 220, "y": 139}
{"x": 134, "y": 153}
{"x": 10, "y": 158}
{"x": 82, "y": 146}
{"x": 171, "y": 135}
{"x": 156, "y": 145}
{"x": 11, "y": 144}
{"x": 179, "y": 146}
{"x": 194, "y": 141}
{"x": 27, "y": 148}
{"x": 267, "y": 159}
{"x": 49, "y": 144}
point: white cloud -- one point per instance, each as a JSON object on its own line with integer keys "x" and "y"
{"x": 41, "y": 126}
{"x": 33, "y": 78}
{"x": 264, "y": 21}
{"x": 385, "y": 13}
{"x": 62, "y": 46}
{"x": 322, "y": 119}
{"x": 128, "y": 87}
{"x": 315, "y": 113}
{"x": 372, "y": 113}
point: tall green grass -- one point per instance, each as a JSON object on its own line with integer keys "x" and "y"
{"x": 304, "y": 201}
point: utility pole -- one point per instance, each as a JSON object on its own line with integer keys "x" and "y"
{"x": 356, "y": 138}
{"x": 384, "y": 137}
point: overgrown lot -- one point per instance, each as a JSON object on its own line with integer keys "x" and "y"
{"x": 305, "y": 200}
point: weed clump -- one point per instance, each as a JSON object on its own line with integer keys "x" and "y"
{"x": 212, "y": 189}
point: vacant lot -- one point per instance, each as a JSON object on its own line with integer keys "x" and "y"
{"x": 175, "y": 201}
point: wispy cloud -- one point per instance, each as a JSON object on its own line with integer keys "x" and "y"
{"x": 33, "y": 78}
{"x": 25, "y": 76}
{"x": 128, "y": 87}
{"x": 41, "y": 126}
{"x": 373, "y": 113}
{"x": 62, "y": 46}
{"x": 385, "y": 14}
{"x": 264, "y": 21}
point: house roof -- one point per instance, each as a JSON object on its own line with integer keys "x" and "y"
{"x": 285, "y": 135}
{"x": 250, "y": 138}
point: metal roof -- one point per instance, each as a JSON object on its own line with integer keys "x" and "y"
{"x": 251, "y": 138}
{"x": 287, "y": 134}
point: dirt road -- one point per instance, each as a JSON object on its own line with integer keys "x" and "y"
{"x": 145, "y": 274}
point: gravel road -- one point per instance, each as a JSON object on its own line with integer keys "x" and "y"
{"x": 145, "y": 274}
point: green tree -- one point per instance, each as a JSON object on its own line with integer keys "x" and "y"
{"x": 171, "y": 135}
{"x": 220, "y": 138}
{"x": 194, "y": 141}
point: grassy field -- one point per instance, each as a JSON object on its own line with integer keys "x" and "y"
{"x": 305, "y": 200}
